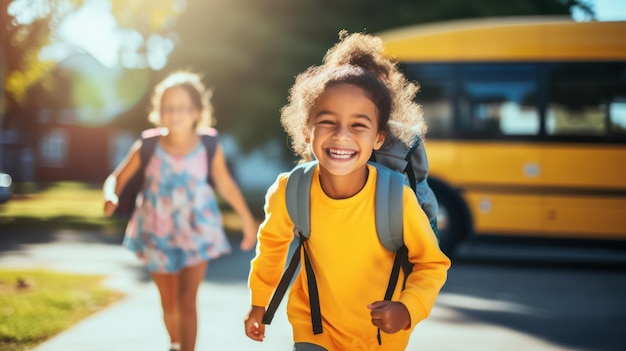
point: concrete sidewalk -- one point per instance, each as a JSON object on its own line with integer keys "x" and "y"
{"x": 135, "y": 322}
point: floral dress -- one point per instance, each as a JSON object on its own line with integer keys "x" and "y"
{"x": 177, "y": 222}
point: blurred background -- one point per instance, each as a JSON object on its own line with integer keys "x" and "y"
{"x": 525, "y": 102}
{"x": 77, "y": 78}
{"x": 77, "y": 74}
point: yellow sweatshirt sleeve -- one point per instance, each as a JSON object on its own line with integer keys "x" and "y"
{"x": 274, "y": 238}
{"x": 430, "y": 264}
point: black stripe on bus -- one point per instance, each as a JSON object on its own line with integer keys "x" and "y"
{"x": 543, "y": 190}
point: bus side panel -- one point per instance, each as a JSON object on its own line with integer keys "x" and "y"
{"x": 493, "y": 181}
{"x": 585, "y": 167}
{"x": 516, "y": 189}
{"x": 585, "y": 217}
{"x": 496, "y": 213}
{"x": 550, "y": 216}
{"x": 585, "y": 190}
{"x": 467, "y": 164}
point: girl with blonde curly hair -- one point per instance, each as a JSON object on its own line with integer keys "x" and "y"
{"x": 176, "y": 227}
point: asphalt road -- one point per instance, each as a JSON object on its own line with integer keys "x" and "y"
{"x": 499, "y": 296}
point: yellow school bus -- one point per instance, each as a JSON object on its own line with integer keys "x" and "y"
{"x": 526, "y": 124}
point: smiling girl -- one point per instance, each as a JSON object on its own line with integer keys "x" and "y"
{"x": 338, "y": 114}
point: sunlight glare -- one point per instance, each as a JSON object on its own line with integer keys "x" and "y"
{"x": 476, "y": 303}
{"x": 159, "y": 49}
{"x": 93, "y": 29}
{"x": 605, "y": 10}
{"x": 27, "y": 11}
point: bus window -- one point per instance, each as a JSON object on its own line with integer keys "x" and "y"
{"x": 436, "y": 94}
{"x": 617, "y": 111}
{"x": 581, "y": 99}
{"x": 499, "y": 99}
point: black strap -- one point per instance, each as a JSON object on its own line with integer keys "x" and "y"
{"x": 409, "y": 169}
{"x": 210, "y": 144}
{"x": 399, "y": 262}
{"x": 401, "y": 256}
{"x": 147, "y": 149}
{"x": 285, "y": 280}
{"x": 283, "y": 284}
{"x": 128, "y": 194}
{"x": 314, "y": 299}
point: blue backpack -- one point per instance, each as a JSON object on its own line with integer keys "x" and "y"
{"x": 396, "y": 167}
{"x": 149, "y": 139}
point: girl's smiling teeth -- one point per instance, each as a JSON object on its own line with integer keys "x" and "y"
{"x": 340, "y": 153}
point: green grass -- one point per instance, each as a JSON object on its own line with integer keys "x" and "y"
{"x": 73, "y": 205}
{"x": 54, "y": 301}
{"x": 63, "y": 205}
{"x": 46, "y": 304}
{"x": 50, "y": 302}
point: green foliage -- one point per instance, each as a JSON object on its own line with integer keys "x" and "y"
{"x": 35, "y": 305}
{"x": 29, "y": 26}
{"x": 133, "y": 85}
{"x": 251, "y": 51}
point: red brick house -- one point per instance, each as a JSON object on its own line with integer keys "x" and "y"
{"x": 54, "y": 139}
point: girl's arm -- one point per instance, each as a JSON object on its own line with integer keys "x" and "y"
{"x": 116, "y": 181}
{"x": 275, "y": 237}
{"x": 430, "y": 264}
{"x": 226, "y": 186}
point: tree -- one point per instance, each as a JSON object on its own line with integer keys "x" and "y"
{"x": 25, "y": 32}
{"x": 32, "y": 29}
{"x": 251, "y": 50}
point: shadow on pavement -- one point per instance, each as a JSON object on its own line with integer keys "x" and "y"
{"x": 235, "y": 267}
{"x": 570, "y": 296}
{"x": 72, "y": 251}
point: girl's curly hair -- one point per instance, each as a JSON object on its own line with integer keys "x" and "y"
{"x": 356, "y": 59}
{"x": 199, "y": 94}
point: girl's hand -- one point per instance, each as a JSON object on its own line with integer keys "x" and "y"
{"x": 250, "y": 228}
{"x": 389, "y": 316}
{"x": 109, "y": 208}
{"x": 255, "y": 329}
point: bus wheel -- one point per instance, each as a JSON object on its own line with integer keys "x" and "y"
{"x": 451, "y": 220}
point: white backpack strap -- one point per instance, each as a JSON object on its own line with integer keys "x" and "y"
{"x": 388, "y": 204}
{"x": 298, "y": 197}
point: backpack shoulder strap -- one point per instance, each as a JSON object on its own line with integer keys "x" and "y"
{"x": 389, "y": 209}
{"x": 389, "y": 224}
{"x": 146, "y": 150}
{"x": 298, "y": 197}
{"x": 149, "y": 139}
{"x": 209, "y": 140}
{"x": 210, "y": 143}
{"x": 152, "y": 132}
{"x": 128, "y": 194}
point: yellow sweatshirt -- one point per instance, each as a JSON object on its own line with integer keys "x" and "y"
{"x": 352, "y": 268}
